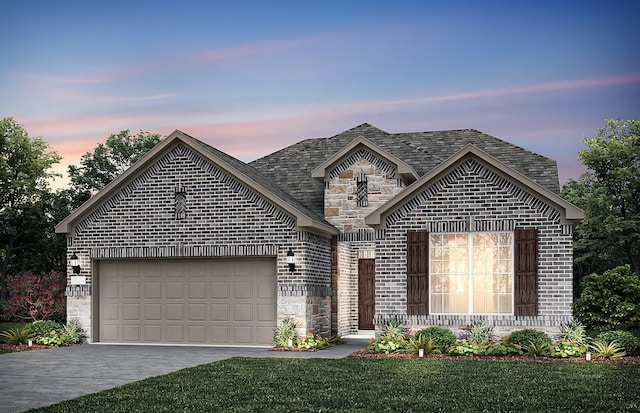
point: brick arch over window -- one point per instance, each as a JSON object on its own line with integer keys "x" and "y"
{"x": 525, "y": 272}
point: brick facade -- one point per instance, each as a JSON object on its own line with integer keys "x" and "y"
{"x": 183, "y": 204}
{"x": 222, "y": 219}
{"x": 473, "y": 198}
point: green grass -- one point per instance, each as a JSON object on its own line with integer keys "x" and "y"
{"x": 380, "y": 385}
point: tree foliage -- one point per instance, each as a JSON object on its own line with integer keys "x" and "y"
{"x": 36, "y": 297}
{"x": 25, "y": 164}
{"x": 107, "y": 161}
{"x": 609, "y": 193}
{"x": 610, "y": 301}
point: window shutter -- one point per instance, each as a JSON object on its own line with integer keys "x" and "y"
{"x": 418, "y": 273}
{"x": 526, "y": 272}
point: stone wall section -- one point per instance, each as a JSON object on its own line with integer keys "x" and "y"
{"x": 473, "y": 198}
{"x": 222, "y": 219}
{"x": 341, "y": 195}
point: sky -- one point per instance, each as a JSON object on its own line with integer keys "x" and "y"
{"x": 250, "y": 78}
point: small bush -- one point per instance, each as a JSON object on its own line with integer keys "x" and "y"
{"x": 574, "y": 332}
{"x": 394, "y": 328}
{"x": 565, "y": 349}
{"x": 36, "y": 297}
{"x": 536, "y": 349}
{"x": 610, "y": 301}
{"x": 388, "y": 343}
{"x": 285, "y": 332}
{"x": 606, "y": 349}
{"x": 529, "y": 336}
{"x": 443, "y": 338}
{"x": 16, "y": 336}
{"x": 41, "y": 328}
{"x": 629, "y": 343}
{"x": 480, "y": 332}
{"x": 74, "y": 333}
{"x": 421, "y": 343}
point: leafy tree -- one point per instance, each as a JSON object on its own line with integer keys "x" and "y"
{"x": 608, "y": 193}
{"x": 107, "y": 161}
{"x": 24, "y": 173}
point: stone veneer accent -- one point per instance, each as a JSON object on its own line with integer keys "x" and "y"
{"x": 341, "y": 191}
{"x": 223, "y": 219}
{"x": 473, "y": 198}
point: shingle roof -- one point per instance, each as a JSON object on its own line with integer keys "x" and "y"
{"x": 290, "y": 168}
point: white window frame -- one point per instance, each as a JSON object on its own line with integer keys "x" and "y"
{"x": 470, "y": 273}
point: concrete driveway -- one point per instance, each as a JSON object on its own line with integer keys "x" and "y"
{"x": 39, "y": 378}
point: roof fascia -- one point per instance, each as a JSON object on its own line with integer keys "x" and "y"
{"x": 321, "y": 172}
{"x": 570, "y": 213}
{"x": 302, "y": 220}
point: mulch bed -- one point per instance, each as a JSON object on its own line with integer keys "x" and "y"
{"x": 22, "y": 347}
{"x": 371, "y": 354}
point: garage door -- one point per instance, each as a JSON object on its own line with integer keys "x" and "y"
{"x": 193, "y": 301}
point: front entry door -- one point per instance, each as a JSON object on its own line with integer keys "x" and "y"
{"x": 366, "y": 293}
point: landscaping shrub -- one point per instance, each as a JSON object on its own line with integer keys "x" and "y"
{"x": 16, "y": 336}
{"x": 421, "y": 343}
{"x": 529, "y": 336}
{"x": 565, "y": 348}
{"x": 442, "y": 337}
{"x": 606, "y": 349}
{"x": 41, "y": 328}
{"x": 285, "y": 332}
{"x": 394, "y": 328}
{"x": 574, "y": 332}
{"x": 388, "y": 343}
{"x": 629, "y": 343}
{"x": 480, "y": 332}
{"x": 610, "y": 301}
{"x": 36, "y": 297}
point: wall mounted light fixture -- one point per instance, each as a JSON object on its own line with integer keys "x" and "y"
{"x": 290, "y": 261}
{"x": 75, "y": 263}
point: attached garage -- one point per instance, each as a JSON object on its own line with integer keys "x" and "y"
{"x": 186, "y": 301}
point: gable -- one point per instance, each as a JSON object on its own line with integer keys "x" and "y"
{"x": 479, "y": 164}
{"x": 243, "y": 174}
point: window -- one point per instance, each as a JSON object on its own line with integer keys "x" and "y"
{"x": 362, "y": 191}
{"x": 471, "y": 273}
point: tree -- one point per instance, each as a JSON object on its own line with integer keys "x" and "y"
{"x": 24, "y": 173}
{"x": 108, "y": 161}
{"x": 613, "y": 201}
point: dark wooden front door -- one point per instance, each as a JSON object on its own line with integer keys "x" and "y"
{"x": 366, "y": 293}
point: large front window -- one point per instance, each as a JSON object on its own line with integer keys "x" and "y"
{"x": 471, "y": 273}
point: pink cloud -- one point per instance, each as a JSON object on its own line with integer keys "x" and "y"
{"x": 519, "y": 90}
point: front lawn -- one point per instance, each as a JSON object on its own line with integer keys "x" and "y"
{"x": 366, "y": 385}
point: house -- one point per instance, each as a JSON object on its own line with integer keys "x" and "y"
{"x": 191, "y": 245}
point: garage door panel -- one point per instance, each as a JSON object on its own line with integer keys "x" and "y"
{"x": 152, "y": 311}
{"x": 197, "y": 289}
{"x": 242, "y": 289}
{"x": 242, "y": 312}
{"x": 197, "y": 312}
{"x": 175, "y": 312}
{"x": 153, "y": 333}
{"x": 175, "y": 290}
{"x": 219, "y": 312}
{"x": 152, "y": 290}
{"x": 131, "y": 290}
{"x": 266, "y": 312}
{"x": 199, "y": 301}
{"x": 175, "y": 334}
{"x": 220, "y": 289}
{"x": 131, "y": 312}
{"x": 131, "y": 332}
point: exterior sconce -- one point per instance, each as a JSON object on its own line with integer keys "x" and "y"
{"x": 75, "y": 264}
{"x": 292, "y": 264}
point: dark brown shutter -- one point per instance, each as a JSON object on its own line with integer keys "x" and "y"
{"x": 526, "y": 272}
{"x": 418, "y": 273}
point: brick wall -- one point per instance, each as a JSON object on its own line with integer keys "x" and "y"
{"x": 222, "y": 218}
{"x": 472, "y": 198}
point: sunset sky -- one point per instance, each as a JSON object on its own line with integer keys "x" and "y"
{"x": 252, "y": 77}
